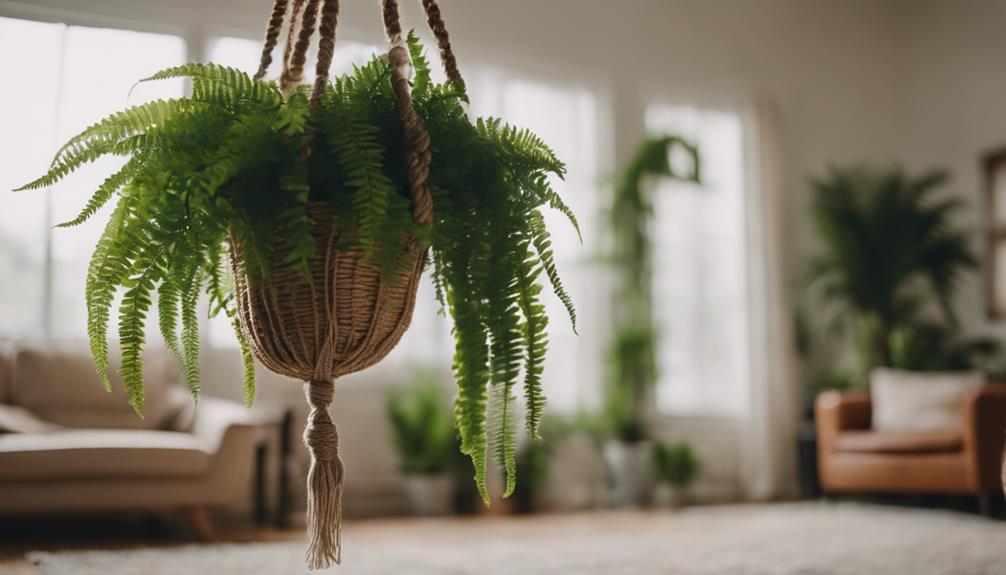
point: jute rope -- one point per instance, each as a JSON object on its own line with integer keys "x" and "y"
{"x": 271, "y": 36}
{"x": 436, "y": 22}
{"x": 347, "y": 316}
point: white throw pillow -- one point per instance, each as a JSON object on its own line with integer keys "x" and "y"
{"x": 912, "y": 401}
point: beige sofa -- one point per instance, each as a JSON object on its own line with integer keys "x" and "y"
{"x": 66, "y": 445}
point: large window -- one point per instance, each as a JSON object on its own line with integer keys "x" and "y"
{"x": 59, "y": 80}
{"x": 700, "y": 269}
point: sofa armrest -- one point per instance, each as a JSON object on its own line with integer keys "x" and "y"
{"x": 837, "y": 411}
{"x": 217, "y": 419}
{"x": 985, "y": 435}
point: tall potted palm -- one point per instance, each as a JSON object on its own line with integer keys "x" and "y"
{"x": 891, "y": 256}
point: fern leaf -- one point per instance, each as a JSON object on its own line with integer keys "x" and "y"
{"x": 109, "y": 265}
{"x": 221, "y": 85}
{"x": 471, "y": 360}
{"x": 248, "y": 362}
{"x": 101, "y": 138}
{"x": 359, "y": 156}
{"x": 535, "y": 342}
{"x": 136, "y": 302}
{"x": 167, "y": 315}
{"x": 104, "y": 193}
{"x": 543, "y": 245}
{"x": 420, "y": 67}
{"x": 190, "y": 334}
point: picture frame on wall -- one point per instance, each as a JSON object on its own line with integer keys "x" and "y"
{"x": 994, "y": 232}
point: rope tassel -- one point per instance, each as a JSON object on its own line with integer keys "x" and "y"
{"x": 324, "y": 480}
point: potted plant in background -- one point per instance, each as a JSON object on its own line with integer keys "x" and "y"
{"x": 628, "y": 389}
{"x": 306, "y": 214}
{"x": 424, "y": 436}
{"x": 675, "y": 467}
{"x": 532, "y": 473}
{"x": 891, "y": 259}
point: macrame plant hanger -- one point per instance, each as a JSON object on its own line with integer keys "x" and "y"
{"x": 347, "y": 317}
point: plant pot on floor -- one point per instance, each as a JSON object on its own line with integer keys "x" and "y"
{"x": 430, "y": 493}
{"x": 629, "y": 472}
{"x": 667, "y": 496}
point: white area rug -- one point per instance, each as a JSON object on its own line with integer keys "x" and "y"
{"x": 804, "y": 539}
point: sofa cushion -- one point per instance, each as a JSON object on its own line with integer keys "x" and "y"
{"x": 14, "y": 419}
{"x": 903, "y": 442}
{"x": 57, "y": 382}
{"x": 105, "y": 453}
{"x": 908, "y": 401}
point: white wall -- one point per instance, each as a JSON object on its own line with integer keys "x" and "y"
{"x": 955, "y": 102}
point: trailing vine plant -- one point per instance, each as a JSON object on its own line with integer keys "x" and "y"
{"x": 240, "y": 157}
{"x": 632, "y": 348}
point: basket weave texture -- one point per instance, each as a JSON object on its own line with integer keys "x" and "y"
{"x": 347, "y": 318}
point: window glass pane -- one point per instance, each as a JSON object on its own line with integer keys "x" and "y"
{"x": 98, "y": 69}
{"x": 26, "y": 146}
{"x": 700, "y": 269}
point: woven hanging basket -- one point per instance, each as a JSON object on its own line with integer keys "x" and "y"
{"x": 349, "y": 316}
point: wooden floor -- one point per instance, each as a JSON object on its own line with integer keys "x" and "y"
{"x": 20, "y": 535}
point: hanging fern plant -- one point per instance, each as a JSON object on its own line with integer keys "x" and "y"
{"x": 242, "y": 159}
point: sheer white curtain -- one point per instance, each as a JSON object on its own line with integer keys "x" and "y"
{"x": 768, "y": 438}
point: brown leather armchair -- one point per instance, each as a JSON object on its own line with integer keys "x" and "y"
{"x": 853, "y": 458}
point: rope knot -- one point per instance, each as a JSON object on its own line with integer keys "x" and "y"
{"x": 319, "y": 393}
{"x": 321, "y": 435}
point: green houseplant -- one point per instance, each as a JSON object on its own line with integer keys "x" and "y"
{"x": 310, "y": 194}
{"x": 424, "y": 435}
{"x": 675, "y": 467}
{"x": 891, "y": 259}
{"x": 632, "y": 361}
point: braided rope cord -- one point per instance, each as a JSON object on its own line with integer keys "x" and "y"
{"x": 272, "y": 32}
{"x": 436, "y": 22}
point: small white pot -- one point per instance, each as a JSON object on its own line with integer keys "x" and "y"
{"x": 430, "y": 493}
{"x": 629, "y": 469}
{"x": 668, "y": 496}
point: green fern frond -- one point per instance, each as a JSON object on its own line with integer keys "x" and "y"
{"x": 359, "y": 156}
{"x": 471, "y": 371}
{"x": 293, "y": 221}
{"x": 136, "y": 302}
{"x": 222, "y": 85}
{"x": 167, "y": 315}
{"x": 542, "y": 242}
{"x": 247, "y": 361}
{"x": 420, "y": 67}
{"x": 190, "y": 334}
{"x": 504, "y": 439}
{"x": 101, "y": 138}
{"x": 535, "y": 341}
{"x": 105, "y": 192}
{"x": 109, "y": 265}
{"x": 521, "y": 146}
